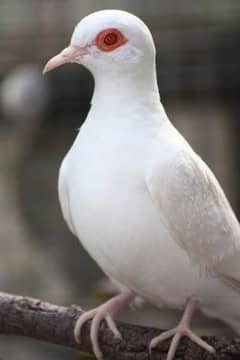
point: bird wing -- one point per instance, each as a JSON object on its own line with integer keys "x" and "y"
{"x": 63, "y": 195}
{"x": 195, "y": 210}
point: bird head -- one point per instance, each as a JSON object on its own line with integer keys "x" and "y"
{"x": 107, "y": 41}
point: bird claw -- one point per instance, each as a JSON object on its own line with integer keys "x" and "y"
{"x": 88, "y": 315}
{"x": 96, "y": 315}
{"x": 178, "y": 332}
{"x": 103, "y": 312}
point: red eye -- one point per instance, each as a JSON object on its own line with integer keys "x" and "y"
{"x": 110, "y": 39}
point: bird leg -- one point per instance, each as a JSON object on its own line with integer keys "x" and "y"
{"x": 182, "y": 329}
{"x": 104, "y": 312}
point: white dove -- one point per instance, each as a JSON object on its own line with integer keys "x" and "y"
{"x": 141, "y": 201}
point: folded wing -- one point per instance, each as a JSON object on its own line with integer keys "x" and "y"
{"x": 196, "y": 211}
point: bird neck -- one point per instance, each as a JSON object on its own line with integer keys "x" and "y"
{"x": 117, "y": 89}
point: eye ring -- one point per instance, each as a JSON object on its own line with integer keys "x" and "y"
{"x": 110, "y": 39}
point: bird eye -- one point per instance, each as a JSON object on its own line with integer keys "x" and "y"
{"x": 110, "y": 39}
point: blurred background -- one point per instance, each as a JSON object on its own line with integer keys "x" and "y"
{"x": 198, "y": 57}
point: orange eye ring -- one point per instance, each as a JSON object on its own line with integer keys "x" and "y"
{"x": 110, "y": 39}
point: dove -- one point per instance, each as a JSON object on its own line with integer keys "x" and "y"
{"x": 140, "y": 200}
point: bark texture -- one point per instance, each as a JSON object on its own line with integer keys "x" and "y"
{"x": 40, "y": 320}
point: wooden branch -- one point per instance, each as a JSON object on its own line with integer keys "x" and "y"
{"x": 33, "y": 318}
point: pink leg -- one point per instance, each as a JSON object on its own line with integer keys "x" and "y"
{"x": 104, "y": 312}
{"x": 182, "y": 329}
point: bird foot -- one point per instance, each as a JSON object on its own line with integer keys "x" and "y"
{"x": 104, "y": 312}
{"x": 183, "y": 329}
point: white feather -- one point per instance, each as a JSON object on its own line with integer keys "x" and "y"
{"x": 143, "y": 204}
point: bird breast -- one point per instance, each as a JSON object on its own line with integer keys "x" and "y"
{"x": 117, "y": 222}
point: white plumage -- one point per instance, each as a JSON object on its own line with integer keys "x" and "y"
{"x": 141, "y": 201}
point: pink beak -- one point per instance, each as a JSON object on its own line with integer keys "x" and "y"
{"x": 67, "y": 55}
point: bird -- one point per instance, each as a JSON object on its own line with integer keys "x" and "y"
{"x": 141, "y": 201}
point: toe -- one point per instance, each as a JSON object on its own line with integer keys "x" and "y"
{"x": 173, "y": 347}
{"x": 200, "y": 342}
{"x": 79, "y": 323}
{"x": 94, "y": 335}
{"x": 162, "y": 337}
{"x": 112, "y": 326}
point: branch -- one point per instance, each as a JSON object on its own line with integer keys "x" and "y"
{"x": 33, "y": 318}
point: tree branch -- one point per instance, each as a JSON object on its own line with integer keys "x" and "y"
{"x": 33, "y": 318}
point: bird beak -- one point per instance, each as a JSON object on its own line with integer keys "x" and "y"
{"x": 69, "y": 54}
